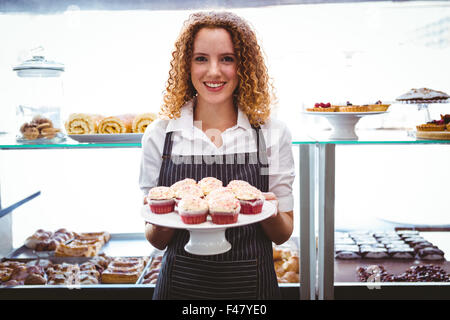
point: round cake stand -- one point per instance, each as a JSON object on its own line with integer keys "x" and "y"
{"x": 343, "y": 123}
{"x": 207, "y": 242}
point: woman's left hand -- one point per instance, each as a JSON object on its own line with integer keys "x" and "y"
{"x": 271, "y": 197}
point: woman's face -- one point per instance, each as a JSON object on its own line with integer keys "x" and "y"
{"x": 214, "y": 66}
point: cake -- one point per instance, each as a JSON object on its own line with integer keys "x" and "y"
{"x": 322, "y": 107}
{"x": 209, "y": 183}
{"x": 250, "y": 199}
{"x": 161, "y": 200}
{"x": 224, "y": 210}
{"x": 193, "y": 210}
{"x": 423, "y": 94}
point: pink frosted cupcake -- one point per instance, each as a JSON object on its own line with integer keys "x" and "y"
{"x": 235, "y": 185}
{"x": 187, "y": 190}
{"x": 224, "y": 209}
{"x": 182, "y": 183}
{"x": 193, "y": 210}
{"x": 161, "y": 200}
{"x": 219, "y": 192}
{"x": 209, "y": 183}
{"x": 250, "y": 198}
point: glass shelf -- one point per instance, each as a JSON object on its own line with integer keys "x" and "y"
{"x": 319, "y": 137}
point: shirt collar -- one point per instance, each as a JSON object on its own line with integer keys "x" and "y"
{"x": 185, "y": 122}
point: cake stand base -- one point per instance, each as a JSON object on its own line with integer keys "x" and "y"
{"x": 207, "y": 242}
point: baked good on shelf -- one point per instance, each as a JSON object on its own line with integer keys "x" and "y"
{"x": 193, "y": 210}
{"x": 124, "y": 270}
{"x": 161, "y": 200}
{"x": 379, "y": 106}
{"x": 141, "y": 122}
{"x": 250, "y": 198}
{"x": 322, "y": 107}
{"x": 116, "y": 124}
{"x": 209, "y": 183}
{"x": 82, "y": 123}
{"x": 353, "y": 108}
{"x": 434, "y": 125}
{"x": 43, "y": 240}
{"x": 152, "y": 273}
{"x": 102, "y": 236}
{"x": 423, "y": 94}
{"x": 286, "y": 264}
{"x": 79, "y": 248}
{"x": 224, "y": 209}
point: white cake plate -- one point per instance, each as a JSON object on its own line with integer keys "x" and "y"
{"x": 206, "y": 238}
{"x": 344, "y": 123}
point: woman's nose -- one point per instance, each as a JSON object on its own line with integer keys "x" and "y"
{"x": 214, "y": 68}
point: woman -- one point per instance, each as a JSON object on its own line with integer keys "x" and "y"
{"x": 217, "y": 108}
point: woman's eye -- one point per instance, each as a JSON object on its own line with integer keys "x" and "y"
{"x": 200, "y": 59}
{"x": 228, "y": 59}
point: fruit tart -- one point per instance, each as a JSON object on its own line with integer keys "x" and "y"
{"x": 322, "y": 107}
{"x": 434, "y": 125}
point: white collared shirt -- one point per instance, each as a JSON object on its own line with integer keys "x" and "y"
{"x": 190, "y": 140}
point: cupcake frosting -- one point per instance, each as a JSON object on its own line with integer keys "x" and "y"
{"x": 224, "y": 204}
{"x": 248, "y": 193}
{"x": 209, "y": 183}
{"x": 190, "y": 203}
{"x": 160, "y": 193}
{"x": 180, "y": 184}
{"x": 220, "y": 192}
{"x": 188, "y": 190}
{"x": 236, "y": 184}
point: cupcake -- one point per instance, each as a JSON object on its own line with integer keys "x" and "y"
{"x": 209, "y": 183}
{"x": 251, "y": 199}
{"x": 224, "y": 209}
{"x": 193, "y": 210}
{"x": 182, "y": 183}
{"x": 236, "y": 184}
{"x": 222, "y": 191}
{"x": 187, "y": 190}
{"x": 161, "y": 200}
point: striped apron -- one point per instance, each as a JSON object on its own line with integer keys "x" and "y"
{"x": 244, "y": 272}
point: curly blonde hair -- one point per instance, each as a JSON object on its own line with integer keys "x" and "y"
{"x": 254, "y": 93}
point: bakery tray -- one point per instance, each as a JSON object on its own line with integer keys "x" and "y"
{"x": 120, "y": 245}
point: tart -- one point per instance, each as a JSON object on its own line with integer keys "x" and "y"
{"x": 193, "y": 210}
{"x": 322, "y": 107}
{"x": 435, "y": 125}
{"x": 378, "y": 106}
{"x": 250, "y": 199}
{"x": 224, "y": 210}
{"x": 161, "y": 200}
{"x": 209, "y": 183}
{"x": 353, "y": 108}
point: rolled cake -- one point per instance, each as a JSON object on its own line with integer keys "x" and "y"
{"x": 82, "y": 123}
{"x": 116, "y": 124}
{"x": 141, "y": 121}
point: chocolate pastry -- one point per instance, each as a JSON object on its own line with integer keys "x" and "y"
{"x": 374, "y": 253}
{"x": 401, "y": 253}
{"x": 430, "y": 253}
{"x": 347, "y": 252}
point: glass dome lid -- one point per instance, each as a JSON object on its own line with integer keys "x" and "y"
{"x": 39, "y": 67}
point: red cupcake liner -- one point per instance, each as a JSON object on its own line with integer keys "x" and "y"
{"x": 224, "y": 218}
{"x": 162, "y": 207}
{"x": 251, "y": 206}
{"x": 194, "y": 219}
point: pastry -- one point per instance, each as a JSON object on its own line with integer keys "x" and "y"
{"x": 401, "y": 253}
{"x": 322, "y": 107}
{"x": 423, "y": 94}
{"x": 209, "y": 183}
{"x": 43, "y": 240}
{"x": 378, "y": 106}
{"x": 224, "y": 210}
{"x": 82, "y": 123}
{"x": 430, "y": 253}
{"x": 434, "y": 125}
{"x": 353, "y": 108}
{"x": 374, "y": 253}
{"x": 250, "y": 199}
{"x": 141, "y": 122}
{"x": 193, "y": 210}
{"x": 116, "y": 124}
{"x": 123, "y": 270}
{"x": 161, "y": 200}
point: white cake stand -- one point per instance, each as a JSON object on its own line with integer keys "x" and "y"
{"x": 343, "y": 123}
{"x": 206, "y": 238}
